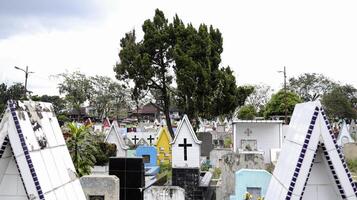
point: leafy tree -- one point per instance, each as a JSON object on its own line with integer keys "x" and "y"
{"x": 76, "y": 87}
{"x": 14, "y": 92}
{"x": 81, "y": 148}
{"x": 278, "y": 101}
{"x": 259, "y": 97}
{"x": 247, "y": 112}
{"x": 148, "y": 63}
{"x": 338, "y": 105}
{"x": 311, "y": 87}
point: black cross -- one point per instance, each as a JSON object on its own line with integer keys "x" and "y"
{"x": 185, "y": 145}
{"x": 248, "y": 132}
{"x": 135, "y": 138}
{"x": 150, "y": 139}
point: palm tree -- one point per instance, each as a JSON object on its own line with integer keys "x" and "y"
{"x": 82, "y": 149}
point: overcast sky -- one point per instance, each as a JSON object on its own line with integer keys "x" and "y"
{"x": 260, "y": 37}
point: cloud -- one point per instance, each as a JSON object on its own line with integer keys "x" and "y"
{"x": 29, "y": 16}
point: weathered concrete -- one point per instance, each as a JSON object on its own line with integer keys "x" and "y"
{"x": 350, "y": 150}
{"x": 101, "y": 185}
{"x": 231, "y": 163}
{"x": 164, "y": 193}
{"x": 216, "y": 156}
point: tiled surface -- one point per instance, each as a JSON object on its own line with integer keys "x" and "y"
{"x": 309, "y": 129}
{"x": 40, "y": 152}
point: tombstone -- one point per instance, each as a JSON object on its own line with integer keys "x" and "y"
{"x": 353, "y": 129}
{"x": 207, "y": 143}
{"x": 148, "y": 154}
{"x": 131, "y": 174}
{"x": 260, "y": 136}
{"x": 34, "y": 160}
{"x": 101, "y": 187}
{"x": 186, "y": 160}
{"x": 252, "y": 181}
{"x": 115, "y": 137}
{"x": 311, "y": 165}
{"x": 164, "y": 193}
{"x": 185, "y": 146}
{"x": 163, "y": 146}
{"x": 142, "y": 142}
{"x": 344, "y": 136}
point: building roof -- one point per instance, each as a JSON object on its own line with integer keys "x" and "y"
{"x": 309, "y": 136}
{"x": 185, "y": 120}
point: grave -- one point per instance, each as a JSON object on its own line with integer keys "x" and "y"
{"x": 311, "y": 165}
{"x": 148, "y": 154}
{"x": 163, "y": 146}
{"x": 34, "y": 159}
{"x": 141, "y": 138}
{"x": 207, "y": 144}
{"x": 131, "y": 174}
{"x": 115, "y": 137}
{"x": 164, "y": 193}
{"x": 344, "y": 136}
{"x": 253, "y": 181}
{"x": 100, "y": 187}
{"x": 257, "y": 136}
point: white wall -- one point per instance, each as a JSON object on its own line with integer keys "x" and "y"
{"x": 164, "y": 193}
{"x": 193, "y": 153}
{"x": 268, "y": 136}
{"x": 112, "y": 138}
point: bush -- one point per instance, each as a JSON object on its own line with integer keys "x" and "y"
{"x": 217, "y": 173}
{"x": 352, "y": 165}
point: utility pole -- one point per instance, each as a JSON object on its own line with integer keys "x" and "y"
{"x": 26, "y": 76}
{"x": 285, "y": 96}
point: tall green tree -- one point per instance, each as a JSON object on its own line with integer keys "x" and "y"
{"x": 247, "y": 112}
{"x": 14, "y": 92}
{"x": 311, "y": 86}
{"x": 338, "y": 103}
{"x": 77, "y": 89}
{"x": 278, "y": 101}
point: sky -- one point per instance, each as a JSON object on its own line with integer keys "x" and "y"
{"x": 259, "y": 37}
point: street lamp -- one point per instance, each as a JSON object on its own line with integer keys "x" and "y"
{"x": 285, "y": 96}
{"x": 26, "y": 76}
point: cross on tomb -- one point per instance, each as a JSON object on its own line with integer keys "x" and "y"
{"x": 185, "y": 145}
{"x": 248, "y": 132}
{"x": 135, "y": 138}
{"x": 150, "y": 139}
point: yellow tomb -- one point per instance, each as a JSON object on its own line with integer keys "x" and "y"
{"x": 163, "y": 146}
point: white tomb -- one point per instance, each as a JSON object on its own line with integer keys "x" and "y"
{"x": 344, "y": 136}
{"x": 353, "y": 129}
{"x": 34, "y": 160}
{"x": 186, "y": 148}
{"x": 142, "y": 138}
{"x": 258, "y": 136}
{"x": 311, "y": 166}
{"x": 114, "y": 136}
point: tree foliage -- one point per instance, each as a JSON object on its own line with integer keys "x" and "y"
{"x": 191, "y": 57}
{"x": 247, "y": 112}
{"x": 14, "y": 92}
{"x": 278, "y": 101}
{"x": 59, "y": 104}
{"x": 259, "y": 97}
{"x": 339, "y": 103}
{"x": 311, "y": 86}
{"x": 76, "y": 87}
{"x": 80, "y": 145}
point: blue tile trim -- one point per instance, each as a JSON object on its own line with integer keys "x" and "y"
{"x": 12, "y": 106}
{"x": 302, "y": 155}
{"x": 3, "y": 146}
{"x": 18, "y": 169}
{"x": 308, "y": 175}
{"x": 341, "y": 156}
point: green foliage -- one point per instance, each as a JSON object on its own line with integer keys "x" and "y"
{"x": 166, "y": 168}
{"x": 81, "y": 148}
{"x": 311, "y": 86}
{"x": 339, "y": 103}
{"x": 217, "y": 172}
{"x": 228, "y": 142}
{"x": 278, "y": 101}
{"x": 205, "y": 166}
{"x": 270, "y": 168}
{"x": 247, "y": 112}
{"x": 104, "y": 152}
{"x": 352, "y": 165}
{"x": 76, "y": 87}
{"x": 14, "y": 92}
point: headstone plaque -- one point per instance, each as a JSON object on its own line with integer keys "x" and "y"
{"x": 96, "y": 197}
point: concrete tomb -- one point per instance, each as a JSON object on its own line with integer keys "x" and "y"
{"x": 252, "y": 181}
{"x": 101, "y": 187}
{"x": 34, "y": 160}
{"x": 163, "y": 146}
{"x": 311, "y": 165}
{"x": 344, "y": 136}
{"x": 115, "y": 137}
{"x": 353, "y": 129}
{"x": 258, "y": 136}
{"x": 164, "y": 193}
